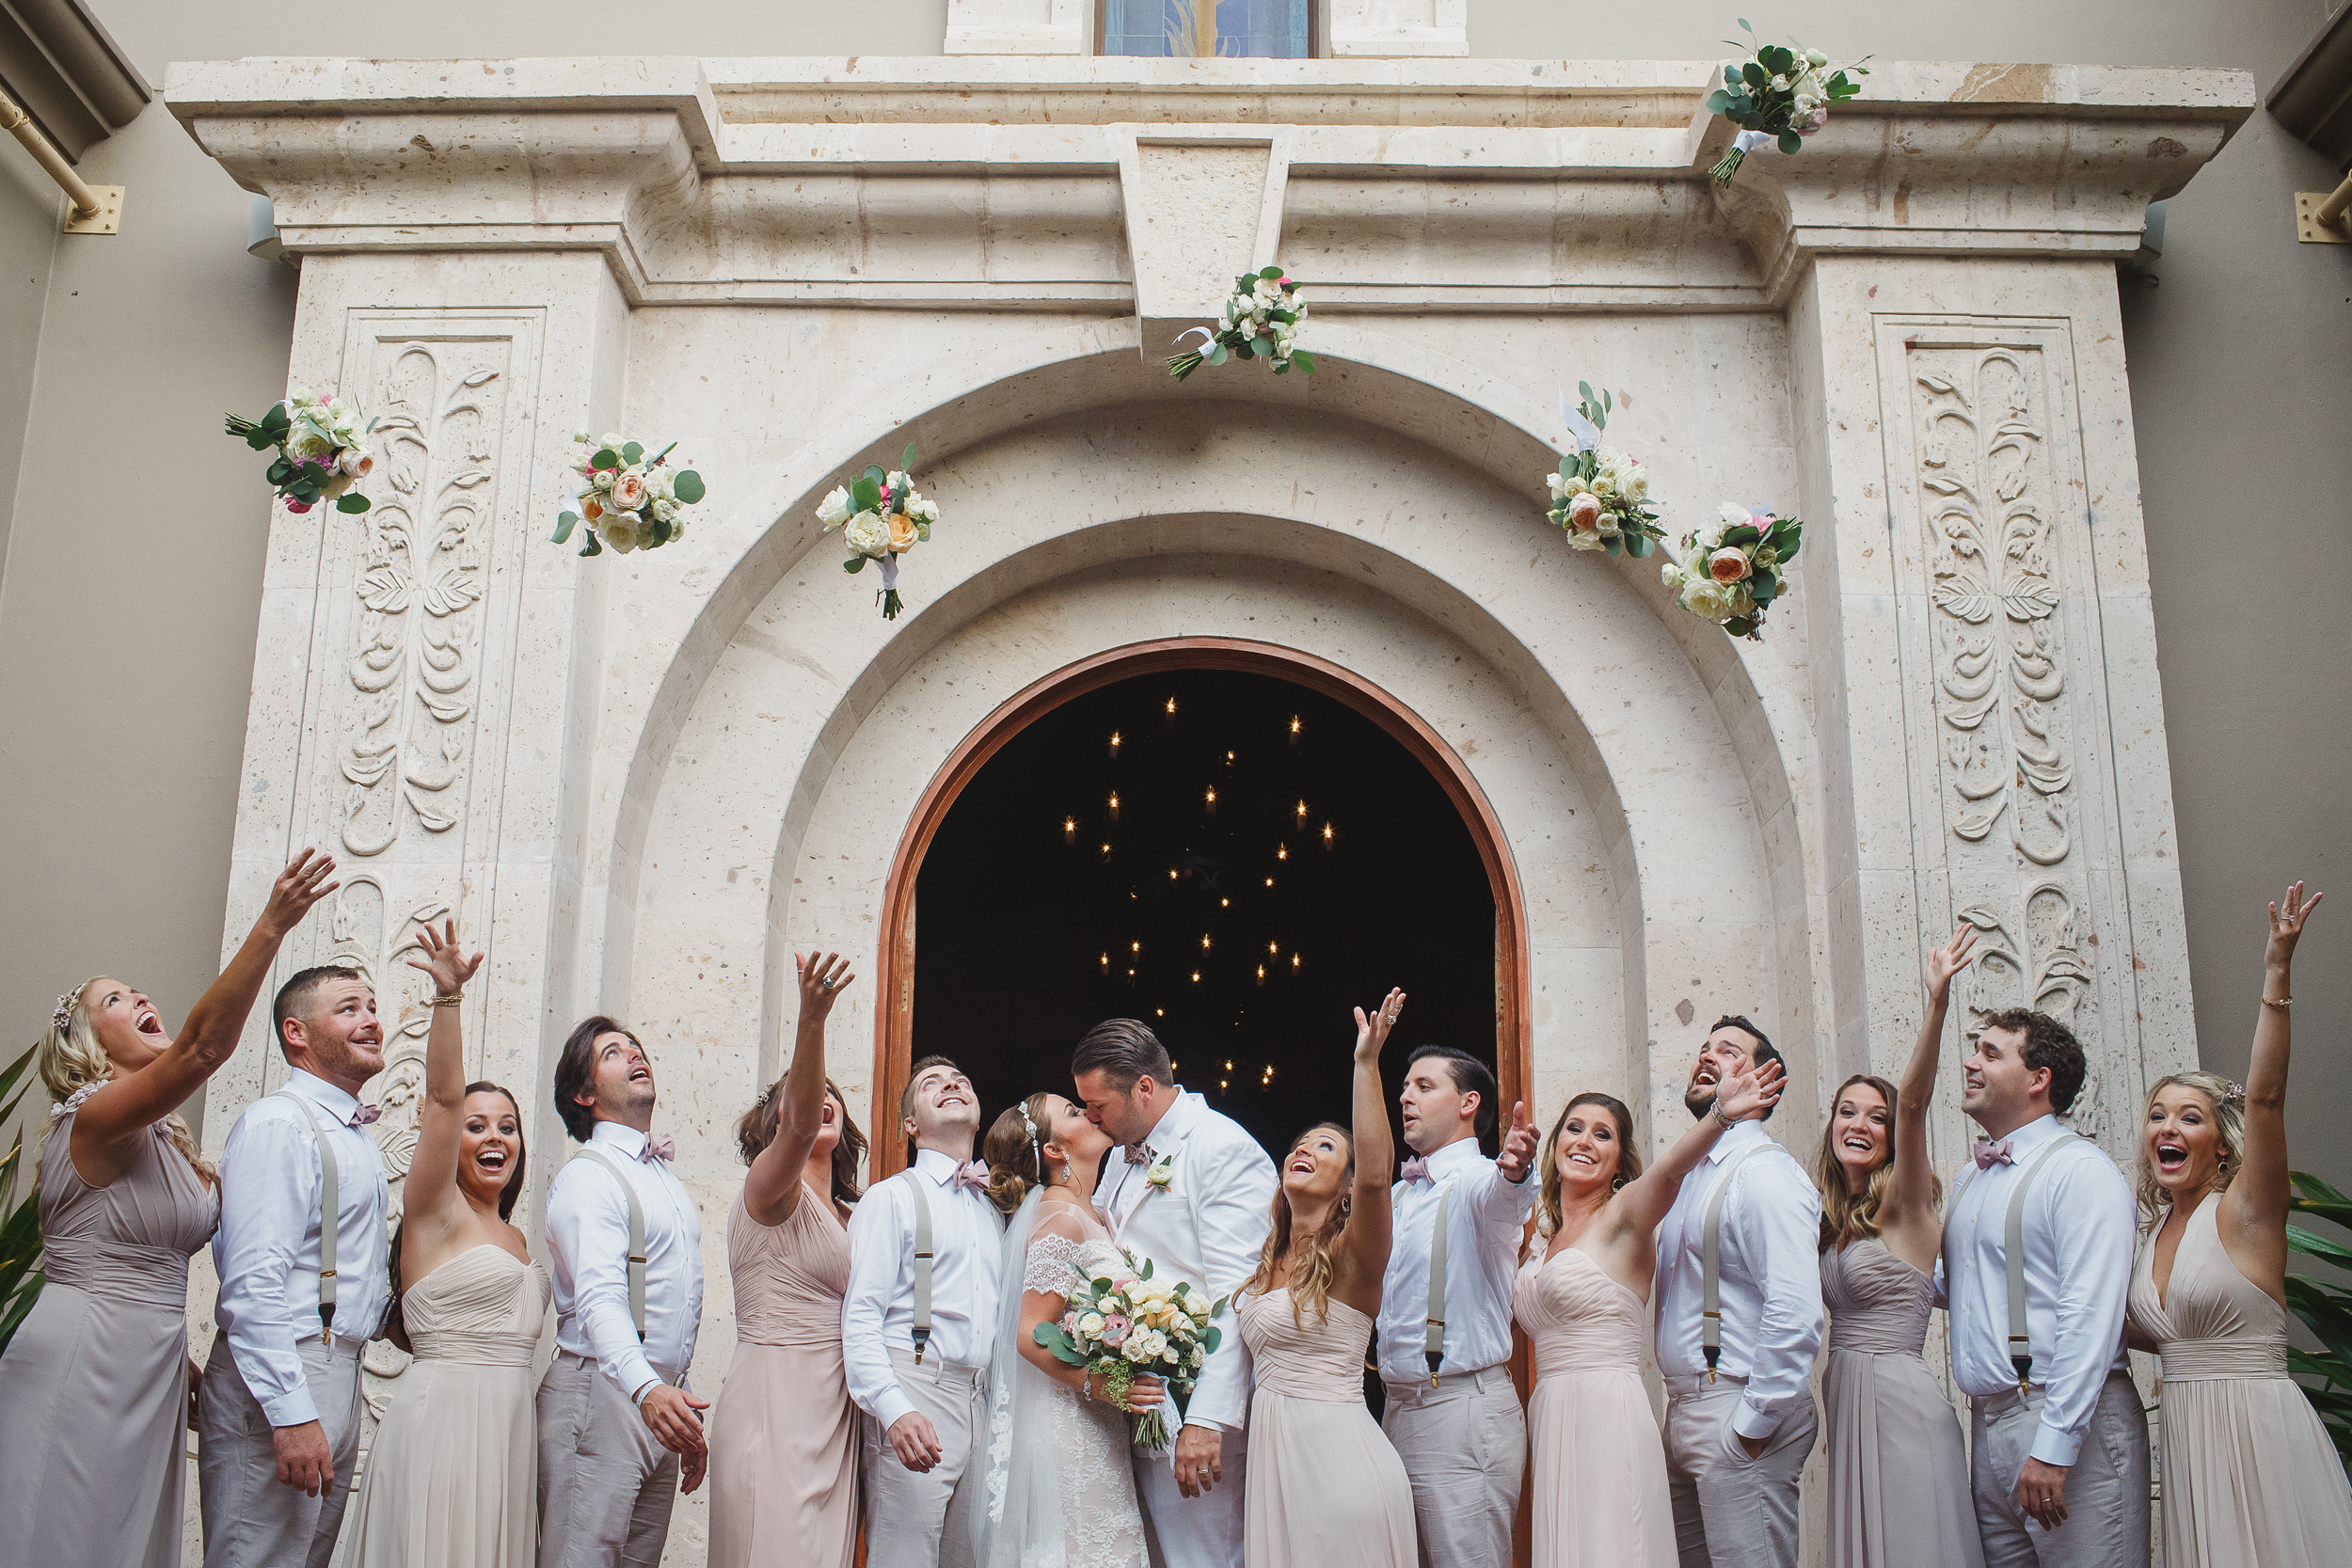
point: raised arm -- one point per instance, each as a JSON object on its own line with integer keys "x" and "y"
{"x": 1910, "y": 1190}
{"x": 429, "y": 1202}
{"x": 1362, "y": 1255}
{"x": 110, "y": 1121}
{"x": 771, "y": 1189}
{"x": 2254, "y": 1210}
{"x": 1641, "y": 1204}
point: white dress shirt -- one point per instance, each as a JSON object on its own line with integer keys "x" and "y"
{"x": 1768, "y": 1278}
{"x": 2078, "y": 1277}
{"x": 1207, "y": 1228}
{"x": 266, "y": 1251}
{"x": 878, "y": 1311}
{"x": 587, "y": 1237}
{"x": 1483, "y": 1224}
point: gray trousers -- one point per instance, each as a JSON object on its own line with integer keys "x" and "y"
{"x": 923, "y": 1518}
{"x": 1464, "y": 1444}
{"x": 605, "y": 1484}
{"x": 251, "y": 1519}
{"x": 2107, "y": 1486}
{"x": 1206, "y": 1531}
{"x": 1730, "y": 1511}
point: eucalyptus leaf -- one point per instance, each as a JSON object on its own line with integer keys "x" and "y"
{"x": 866, "y": 493}
{"x": 688, "y": 487}
{"x": 1272, "y": 275}
{"x": 855, "y": 564}
{"x": 354, "y": 502}
{"x": 563, "y": 526}
{"x": 1305, "y": 361}
{"x": 1790, "y": 142}
{"x": 605, "y": 457}
{"x": 632, "y": 451}
{"x": 593, "y": 547}
{"x": 906, "y": 459}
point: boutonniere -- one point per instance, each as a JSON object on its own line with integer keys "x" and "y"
{"x": 1163, "y": 1171}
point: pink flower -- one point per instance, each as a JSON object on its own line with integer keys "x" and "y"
{"x": 298, "y": 506}
{"x": 1070, "y": 1320}
{"x": 1115, "y": 1331}
{"x": 1728, "y": 564}
{"x": 1811, "y": 120}
{"x": 1584, "y": 513}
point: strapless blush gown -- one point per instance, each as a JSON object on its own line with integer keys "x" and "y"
{"x": 1599, "y": 1478}
{"x": 2250, "y": 1478}
{"x": 452, "y": 1479}
{"x": 1898, "y": 1475}
{"x": 1326, "y": 1486}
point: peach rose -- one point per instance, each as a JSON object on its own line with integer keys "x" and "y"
{"x": 589, "y": 509}
{"x": 1728, "y": 564}
{"x": 629, "y": 491}
{"x": 901, "y": 533}
{"x": 1584, "y": 513}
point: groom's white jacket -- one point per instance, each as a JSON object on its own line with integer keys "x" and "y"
{"x": 1207, "y": 1225}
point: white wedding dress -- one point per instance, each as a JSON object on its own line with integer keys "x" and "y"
{"x": 1057, "y": 1488}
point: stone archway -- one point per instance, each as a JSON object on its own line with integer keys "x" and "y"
{"x": 895, "y": 953}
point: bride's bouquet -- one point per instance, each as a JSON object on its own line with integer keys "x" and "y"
{"x": 321, "y": 450}
{"x": 1131, "y": 1326}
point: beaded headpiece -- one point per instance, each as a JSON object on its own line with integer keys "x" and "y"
{"x": 2236, "y": 1092}
{"x": 62, "y": 1018}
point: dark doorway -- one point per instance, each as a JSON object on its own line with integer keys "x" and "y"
{"x": 1042, "y": 910}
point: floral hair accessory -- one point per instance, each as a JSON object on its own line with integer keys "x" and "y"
{"x": 62, "y": 1018}
{"x": 2236, "y": 1092}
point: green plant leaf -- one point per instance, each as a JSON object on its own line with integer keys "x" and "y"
{"x": 906, "y": 459}
{"x": 564, "y": 523}
{"x": 1744, "y": 534}
{"x": 866, "y": 493}
{"x": 1638, "y": 546}
{"x": 2309, "y": 1188}
{"x": 1718, "y": 101}
{"x": 1791, "y": 143}
{"x": 351, "y": 501}
{"x": 1057, "y": 1338}
{"x": 1217, "y": 355}
{"x": 590, "y": 545}
{"x": 632, "y": 451}
{"x": 1305, "y": 361}
{"x": 688, "y": 487}
{"x": 1272, "y": 275}
{"x": 855, "y": 564}
{"x": 2313, "y": 1245}
{"x": 661, "y": 533}
{"x": 605, "y": 457}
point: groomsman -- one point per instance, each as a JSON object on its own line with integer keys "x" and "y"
{"x": 1740, "y": 1417}
{"x": 2059, "y": 1465}
{"x": 277, "y": 1414}
{"x": 1195, "y": 1194}
{"x": 1444, "y": 1354}
{"x": 916, "y": 1333}
{"x": 620, "y": 1433}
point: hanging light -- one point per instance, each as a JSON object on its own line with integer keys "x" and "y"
{"x": 1171, "y": 711}
{"x": 1204, "y": 942}
{"x": 1162, "y": 1012}
{"x": 1327, "y": 836}
{"x": 1294, "y": 961}
{"x": 1302, "y": 813}
{"x": 1225, "y": 903}
{"x": 1107, "y": 851}
{"x": 1172, "y": 873}
{"x": 1070, "y": 830}
{"x": 1271, "y": 949}
{"x": 1269, "y": 881}
{"x": 1195, "y": 977}
{"x": 1114, "y": 806}
{"x": 1229, "y": 1067}
{"x": 1106, "y": 963}
{"x": 1213, "y": 800}
{"x": 1282, "y": 852}
{"x": 1114, "y": 745}
{"x": 1229, "y": 759}
{"x": 1294, "y": 726}
{"x": 1261, "y": 974}
{"x": 1135, "y": 947}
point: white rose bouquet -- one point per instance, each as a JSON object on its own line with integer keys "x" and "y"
{"x": 1733, "y": 569}
{"x": 628, "y": 501}
{"x": 1132, "y": 1326}
{"x": 321, "y": 450}
{"x": 882, "y": 517}
{"x": 1778, "y": 96}
{"x": 1599, "y": 496}
{"x": 1263, "y": 316}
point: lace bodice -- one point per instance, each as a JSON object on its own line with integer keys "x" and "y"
{"x": 1054, "y": 1263}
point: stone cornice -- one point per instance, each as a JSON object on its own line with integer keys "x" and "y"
{"x": 836, "y": 180}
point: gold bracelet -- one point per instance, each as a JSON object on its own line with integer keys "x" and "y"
{"x": 455, "y": 998}
{"x": 2282, "y": 1004}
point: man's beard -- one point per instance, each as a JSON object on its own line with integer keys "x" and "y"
{"x": 1699, "y": 1099}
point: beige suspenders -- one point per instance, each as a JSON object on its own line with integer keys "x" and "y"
{"x": 1432, "y": 1337}
{"x": 1710, "y": 1258}
{"x": 923, "y": 1255}
{"x": 2014, "y": 1255}
{"x": 636, "y": 1237}
{"x": 330, "y": 1211}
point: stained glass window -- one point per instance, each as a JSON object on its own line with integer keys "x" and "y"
{"x": 1195, "y": 29}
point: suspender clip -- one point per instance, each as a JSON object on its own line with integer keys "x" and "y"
{"x": 922, "y": 1337}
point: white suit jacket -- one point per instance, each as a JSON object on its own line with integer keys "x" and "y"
{"x": 1207, "y": 1225}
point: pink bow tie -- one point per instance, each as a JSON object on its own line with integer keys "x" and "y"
{"x": 1415, "y": 1169}
{"x": 659, "y": 1147}
{"x": 365, "y": 1114}
{"x": 1139, "y": 1154}
{"x": 1990, "y": 1155}
{"x": 972, "y": 1178}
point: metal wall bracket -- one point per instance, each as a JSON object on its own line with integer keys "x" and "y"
{"x": 106, "y": 220}
{"x": 2319, "y": 215}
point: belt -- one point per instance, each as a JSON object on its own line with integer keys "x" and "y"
{"x": 1479, "y": 1377}
{"x": 1994, "y": 1406}
{"x": 2213, "y": 1360}
{"x": 1684, "y": 1384}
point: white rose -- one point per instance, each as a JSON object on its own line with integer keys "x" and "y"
{"x": 1815, "y": 59}
{"x": 929, "y": 511}
{"x": 582, "y": 436}
{"x": 299, "y": 397}
{"x": 1299, "y": 299}
{"x": 613, "y": 442}
{"x": 1672, "y": 576}
{"x": 354, "y": 463}
{"x": 1557, "y": 486}
{"x": 1704, "y": 597}
{"x": 603, "y": 480}
{"x": 867, "y": 535}
{"x": 1731, "y": 514}
{"x": 619, "y": 531}
{"x": 835, "y": 509}
{"x": 1091, "y": 1324}
{"x": 663, "y": 509}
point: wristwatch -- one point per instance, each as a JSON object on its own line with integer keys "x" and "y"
{"x": 1716, "y": 1110}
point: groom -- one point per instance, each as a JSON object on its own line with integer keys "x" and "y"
{"x": 1195, "y": 1194}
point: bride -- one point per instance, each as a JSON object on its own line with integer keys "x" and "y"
{"x": 1063, "y": 1492}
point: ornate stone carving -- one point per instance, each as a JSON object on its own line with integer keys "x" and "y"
{"x": 421, "y": 580}
{"x": 2001, "y": 669}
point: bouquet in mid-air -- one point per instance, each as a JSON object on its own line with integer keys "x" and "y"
{"x": 1733, "y": 569}
{"x": 1599, "y": 496}
{"x": 1777, "y": 96}
{"x": 1263, "y": 316}
{"x": 882, "y": 517}
{"x": 1132, "y": 1325}
{"x": 628, "y": 501}
{"x": 321, "y": 450}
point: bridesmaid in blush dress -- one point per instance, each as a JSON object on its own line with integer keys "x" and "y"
{"x": 1598, "y": 1476}
{"x": 784, "y": 1433}
{"x": 1898, "y": 1473}
{"x": 452, "y": 1479}
{"x": 1326, "y": 1487}
{"x": 2250, "y": 1478}
{"x": 94, "y": 1386}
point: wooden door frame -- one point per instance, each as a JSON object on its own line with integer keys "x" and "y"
{"x": 894, "y": 1023}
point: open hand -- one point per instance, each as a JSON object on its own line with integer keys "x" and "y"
{"x": 1372, "y": 1033}
{"x": 821, "y": 981}
{"x": 449, "y": 966}
{"x": 1949, "y": 960}
{"x": 1751, "y": 1091}
{"x": 2286, "y": 925}
{"x": 297, "y": 888}
{"x": 1518, "y": 1144}
{"x": 673, "y": 1415}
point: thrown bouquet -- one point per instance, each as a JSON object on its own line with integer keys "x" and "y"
{"x": 321, "y": 450}
{"x": 1777, "y": 97}
{"x": 1134, "y": 1326}
{"x": 882, "y": 517}
{"x": 1263, "y": 318}
{"x": 1600, "y": 496}
{"x": 1733, "y": 569}
{"x": 628, "y": 501}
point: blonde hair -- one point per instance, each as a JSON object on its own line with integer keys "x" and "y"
{"x": 1846, "y": 1217}
{"x": 1310, "y": 1282}
{"x": 70, "y": 1058}
{"x": 2229, "y": 1120}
